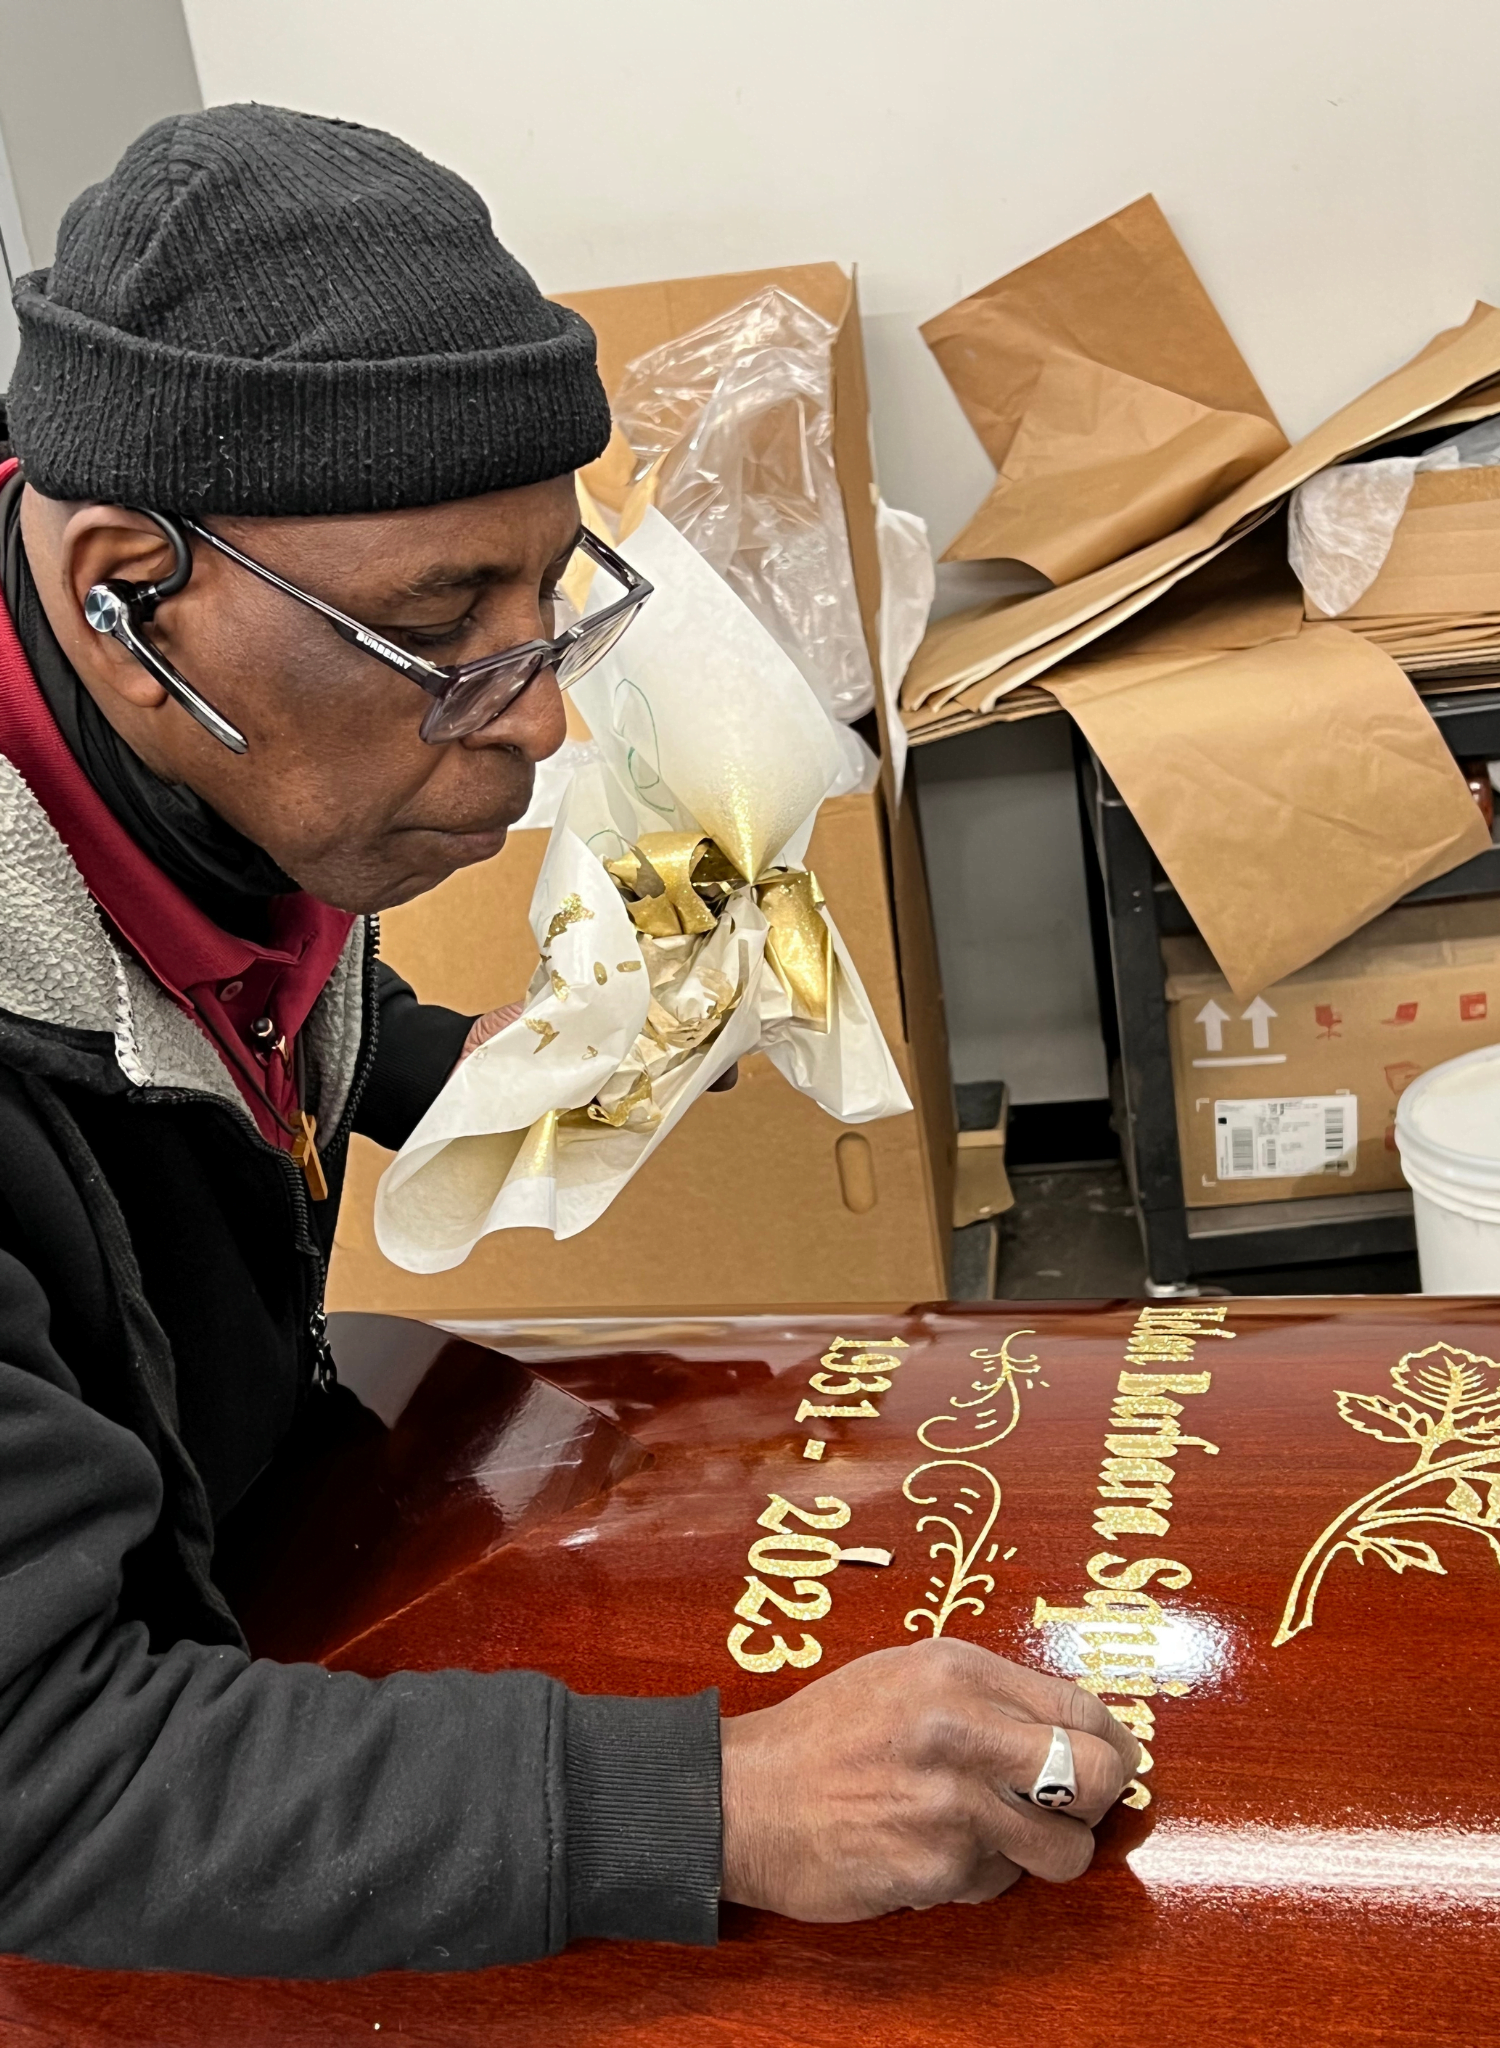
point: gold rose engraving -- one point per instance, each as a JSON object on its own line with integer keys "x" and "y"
{"x": 962, "y": 1543}
{"x": 1000, "y": 1390}
{"x": 1454, "y": 1400}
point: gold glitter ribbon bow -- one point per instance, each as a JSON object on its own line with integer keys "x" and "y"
{"x": 675, "y": 883}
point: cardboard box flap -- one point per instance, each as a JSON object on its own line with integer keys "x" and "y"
{"x": 975, "y": 648}
{"x": 629, "y": 319}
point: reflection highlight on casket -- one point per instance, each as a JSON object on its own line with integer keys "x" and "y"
{"x": 1453, "y": 1866}
{"x": 1188, "y": 1648}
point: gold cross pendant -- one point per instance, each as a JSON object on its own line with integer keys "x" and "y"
{"x": 305, "y": 1152}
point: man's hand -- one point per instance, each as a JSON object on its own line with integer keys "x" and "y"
{"x": 485, "y": 1027}
{"x": 898, "y": 1781}
{"x": 492, "y": 1021}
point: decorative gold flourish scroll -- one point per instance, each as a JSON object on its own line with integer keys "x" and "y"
{"x": 1454, "y": 1400}
{"x": 961, "y": 1551}
{"x": 988, "y": 1394}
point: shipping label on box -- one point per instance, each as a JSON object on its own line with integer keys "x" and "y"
{"x": 1337, "y": 1042}
{"x": 1278, "y": 1140}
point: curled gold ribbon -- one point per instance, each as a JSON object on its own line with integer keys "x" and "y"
{"x": 677, "y": 883}
{"x": 799, "y": 944}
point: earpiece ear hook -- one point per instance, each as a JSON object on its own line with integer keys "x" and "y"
{"x": 150, "y": 595}
{"x": 119, "y": 610}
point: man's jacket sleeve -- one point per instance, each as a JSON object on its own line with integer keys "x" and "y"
{"x": 194, "y": 1809}
{"x": 416, "y": 1049}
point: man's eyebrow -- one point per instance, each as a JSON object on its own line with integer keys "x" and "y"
{"x": 442, "y": 577}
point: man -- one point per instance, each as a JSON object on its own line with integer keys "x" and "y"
{"x": 296, "y": 440}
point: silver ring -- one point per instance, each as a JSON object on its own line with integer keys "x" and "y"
{"x": 1057, "y": 1781}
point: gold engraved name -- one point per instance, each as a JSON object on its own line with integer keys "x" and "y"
{"x": 1453, "y": 1401}
{"x": 1119, "y": 1625}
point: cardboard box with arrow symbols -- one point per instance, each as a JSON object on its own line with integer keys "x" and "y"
{"x": 1294, "y": 1093}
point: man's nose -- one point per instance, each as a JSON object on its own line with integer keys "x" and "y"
{"x": 533, "y": 724}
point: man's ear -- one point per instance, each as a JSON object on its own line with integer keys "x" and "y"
{"x": 72, "y": 547}
{"x": 100, "y": 543}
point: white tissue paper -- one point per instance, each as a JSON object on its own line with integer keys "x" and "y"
{"x": 908, "y": 583}
{"x": 707, "y": 942}
{"x": 1343, "y": 520}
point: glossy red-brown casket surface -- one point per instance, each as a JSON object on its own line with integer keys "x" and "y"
{"x": 1320, "y": 1857}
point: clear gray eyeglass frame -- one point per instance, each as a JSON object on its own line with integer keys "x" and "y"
{"x": 465, "y": 695}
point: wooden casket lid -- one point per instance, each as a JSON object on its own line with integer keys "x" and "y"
{"x": 1267, "y": 1533}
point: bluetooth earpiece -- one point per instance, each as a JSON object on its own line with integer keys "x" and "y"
{"x": 120, "y": 610}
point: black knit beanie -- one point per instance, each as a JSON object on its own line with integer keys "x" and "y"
{"x": 261, "y": 311}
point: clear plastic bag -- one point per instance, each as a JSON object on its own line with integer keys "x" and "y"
{"x": 737, "y": 418}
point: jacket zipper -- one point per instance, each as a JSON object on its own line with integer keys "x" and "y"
{"x": 324, "y": 1373}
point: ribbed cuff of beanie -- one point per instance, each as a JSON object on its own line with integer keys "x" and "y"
{"x": 100, "y": 415}
{"x": 644, "y": 1824}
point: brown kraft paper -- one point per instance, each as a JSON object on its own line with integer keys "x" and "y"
{"x": 1103, "y": 463}
{"x": 982, "y": 652}
{"x": 1109, "y": 395}
{"x": 1291, "y": 791}
{"x": 1121, "y": 294}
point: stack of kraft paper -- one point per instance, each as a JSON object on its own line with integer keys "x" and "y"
{"x": 1434, "y": 601}
{"x": 1288, "y": 776}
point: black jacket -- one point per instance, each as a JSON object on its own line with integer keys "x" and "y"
{"x": 165, "y": 1800}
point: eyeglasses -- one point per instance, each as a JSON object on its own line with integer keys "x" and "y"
{"x": 466, "y": 695}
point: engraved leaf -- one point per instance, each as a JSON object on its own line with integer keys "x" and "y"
{"x": 1447, "y": 1378}
{"x": 1466, "y": 1502}
{"x": 1409, "y": 1425}
{"x": 1401, "y": 1552}
{"x": 1492, "y": 1512}
{"x": 1478, "y": 1421}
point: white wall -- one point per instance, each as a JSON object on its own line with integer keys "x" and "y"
{"x": 79, "y": 79}
{"x": 15, "y": 259}
{"x": 1332, "y": 167}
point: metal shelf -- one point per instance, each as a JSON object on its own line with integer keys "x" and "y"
{"x": 1135, "y": 907}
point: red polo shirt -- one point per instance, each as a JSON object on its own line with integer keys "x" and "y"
{"x": 225, "y": 984}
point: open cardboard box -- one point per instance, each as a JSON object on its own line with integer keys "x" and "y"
{"x": 758, "y": 1201}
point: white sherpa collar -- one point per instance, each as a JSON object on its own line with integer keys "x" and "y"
{"x": 59, "y": 966}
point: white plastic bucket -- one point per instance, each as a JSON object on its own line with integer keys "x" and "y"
{"x": 1448, "y": 1135}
